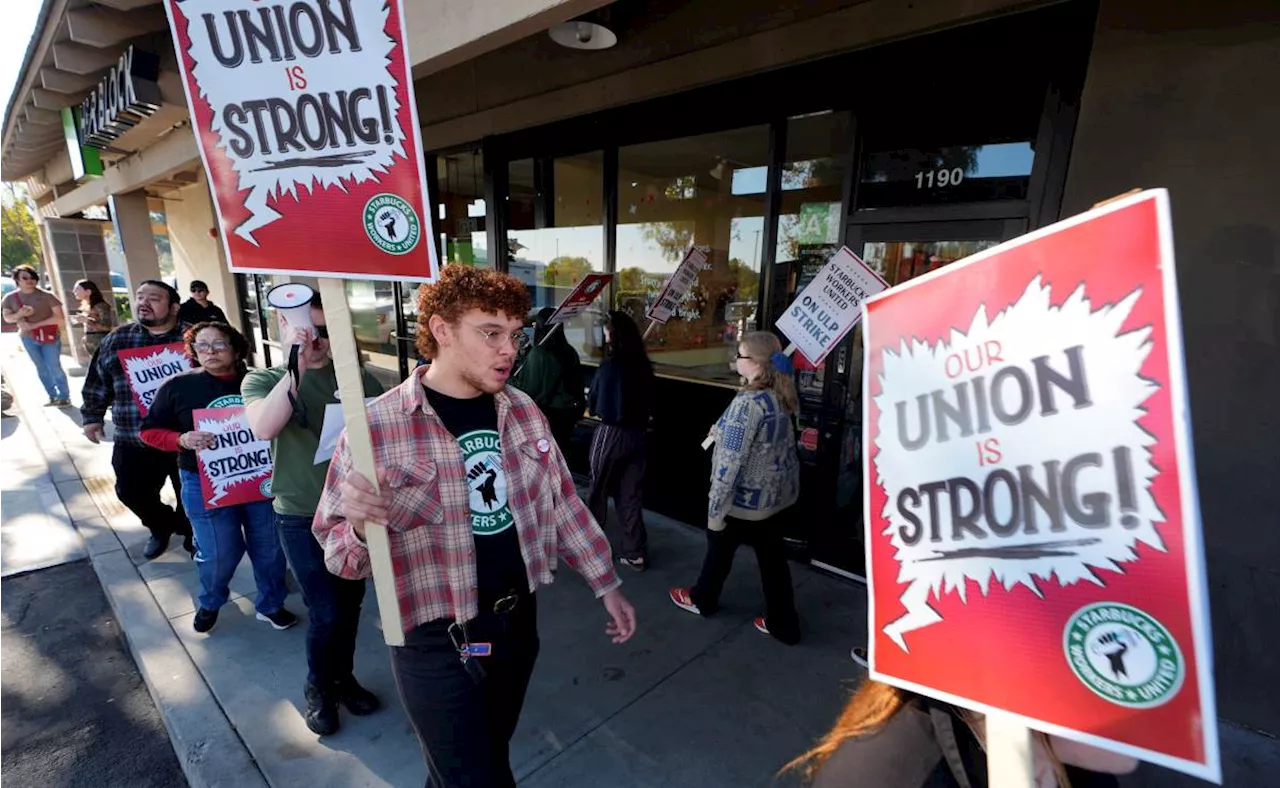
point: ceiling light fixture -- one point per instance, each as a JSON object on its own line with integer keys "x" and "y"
{"x": 582, "y": 35}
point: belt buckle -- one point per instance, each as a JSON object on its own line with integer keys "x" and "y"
{"x": 506, "y": 604}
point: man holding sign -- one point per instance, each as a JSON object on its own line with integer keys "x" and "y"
{"x": 288, "y": 410}
{"x": 478, "y": 503}
{"x": 131, "y": 364}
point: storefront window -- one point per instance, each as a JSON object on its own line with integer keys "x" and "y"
{"x": 460, "y": 209}
{"x": 707, "y": 190}
{"x": 810, "y": 220}
{"x": 373, "y": 316}
{"x": 555, "y": 234}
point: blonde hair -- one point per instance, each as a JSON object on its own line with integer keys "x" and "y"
{"x": 871, "y": 707}
{"x": 761, "y": 346}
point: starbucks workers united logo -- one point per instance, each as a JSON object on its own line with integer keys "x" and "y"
{"x": 1124, "y": 655}
{"x": 391, "y": 223}
{"x": 486, "y": 482}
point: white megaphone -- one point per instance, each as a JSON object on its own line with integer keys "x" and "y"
{"x": 293, "y": 302}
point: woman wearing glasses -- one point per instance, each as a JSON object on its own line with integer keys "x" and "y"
{"x": 754, "y": 476}
{"x": 223, "y": 534}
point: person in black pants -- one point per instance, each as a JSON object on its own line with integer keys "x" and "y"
{"x": 622, "y": 395}
{"x": 478, "y": 505}
{"x": 755, "y": 476}
{"x": 289, "y": 411}
{"x": 140, "y": 470}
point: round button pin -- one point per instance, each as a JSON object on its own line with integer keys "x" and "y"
{"x": 543, "y": 445}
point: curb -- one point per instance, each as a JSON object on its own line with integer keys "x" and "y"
{"x": 209, "y": 750}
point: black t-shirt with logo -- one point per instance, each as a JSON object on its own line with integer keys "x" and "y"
{"x": 474, "y": 423}
{"x": 187, "y": 392}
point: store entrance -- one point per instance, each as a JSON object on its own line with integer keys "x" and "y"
{"x": 898, "y": 252}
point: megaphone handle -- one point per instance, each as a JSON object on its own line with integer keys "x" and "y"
{"x": 299, "y": 414}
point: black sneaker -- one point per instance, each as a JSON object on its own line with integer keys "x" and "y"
{"x": 281, "y": 619}
{"x": 189, "y": 544}
{"x": 358, "y": 700}
{"x": 322, "y": 711}
{"x": 205, "y": 619}
{"x": 155, "y": 546}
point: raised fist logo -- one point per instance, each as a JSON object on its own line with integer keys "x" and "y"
{"x": 488, "y": 493}
{"x": 1114, "y": 645}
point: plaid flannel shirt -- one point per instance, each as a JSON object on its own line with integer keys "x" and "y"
{"x": 432, "y": 545}
{"x": 107, "y": 386}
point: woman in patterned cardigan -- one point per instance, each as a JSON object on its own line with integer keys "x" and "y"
{"x": 754, "y": 476}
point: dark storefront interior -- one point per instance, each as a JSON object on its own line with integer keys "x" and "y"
{"x": 913, "y": 154}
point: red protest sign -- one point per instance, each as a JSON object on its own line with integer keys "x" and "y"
{"x": 147, "y": 368}
{"x": 574, "y": 304}
{"x": 238, "y": 468}
{"x": 1032, "y": 530}
{"x": 309, "y": 134}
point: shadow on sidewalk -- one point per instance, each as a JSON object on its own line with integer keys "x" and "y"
{"x": 76, "y": 710}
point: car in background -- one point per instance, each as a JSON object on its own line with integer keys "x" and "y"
{"x": 373, "y": 314}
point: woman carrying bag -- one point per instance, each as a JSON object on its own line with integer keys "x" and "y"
{"x": 755, "y": 475}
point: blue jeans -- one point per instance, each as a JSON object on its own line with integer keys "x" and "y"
{"x": 333, "y": 603}
{"x": 222, "y": 538}
{"x": 48, "y": 360}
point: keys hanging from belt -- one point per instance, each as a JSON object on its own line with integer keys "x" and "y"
{"x": 468, "y": 651}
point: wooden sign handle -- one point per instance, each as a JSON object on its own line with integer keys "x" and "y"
{"x": 346, "y": 366}
{"x": 1010, "y": 756}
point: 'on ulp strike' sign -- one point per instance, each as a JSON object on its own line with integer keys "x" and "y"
{"x": 1033, "y": 536}
{"x": 308, "y": 129}
{"x": 830, "y": 306}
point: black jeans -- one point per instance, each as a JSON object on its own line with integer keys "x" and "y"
{"x": 465, "y": 728}
{"x": 617, "y": 469}
{"x": 765, "y": 536}
{"x": 333, "y": 604}
{"x": 141, "y": 472}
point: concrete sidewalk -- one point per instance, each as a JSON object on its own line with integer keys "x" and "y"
{"x": 688, "y": 702}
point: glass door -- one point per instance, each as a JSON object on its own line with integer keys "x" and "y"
{"x": 898, "y": 252}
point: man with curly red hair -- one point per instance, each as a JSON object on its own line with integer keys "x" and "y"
{"x": 478, "y": 504}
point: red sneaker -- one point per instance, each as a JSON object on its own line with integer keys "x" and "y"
{"x": 682, "y": 600}
{"x": 759, "y": 622}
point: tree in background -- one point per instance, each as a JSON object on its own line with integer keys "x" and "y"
{"x": 567, "y": 271}
{"x": 19, "y": 238}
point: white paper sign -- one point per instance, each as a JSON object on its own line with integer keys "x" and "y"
{"x": 830, "y": 306}
{"x": 331, "y": 429}
{"x": 679, "y": 285}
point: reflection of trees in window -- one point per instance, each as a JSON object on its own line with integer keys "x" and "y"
{"x": 566, "y": 271}
{"x": 902, "y": 165}
{"x": 748, "y": 281}
{"x": 798, "y": 176}
{"x": 671, "y": 238}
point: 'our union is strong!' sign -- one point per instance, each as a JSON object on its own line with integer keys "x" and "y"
{"x": 308, "y": 129}
{"x": 1033, "y": 540}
